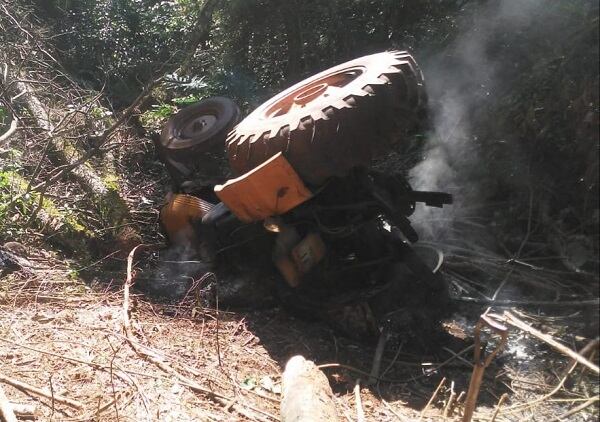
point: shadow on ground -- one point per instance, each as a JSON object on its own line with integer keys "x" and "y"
{"x": 412, "y": 364}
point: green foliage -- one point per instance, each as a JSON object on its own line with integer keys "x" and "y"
{"x": 16, "y": 206}
{"x": 100, "y": 112}
{"x": 187, "y": 100}
{"x": 11, "y": 185}
{"x": 111, "y": 210}
{"x": 126, "y": 41}
{"x": 4, "y": 119}
{"x": 73, "y": 275}
{"x": 157, "y": 115}
{"x": 3, "y": 115}
{"x": 253, "y": 49}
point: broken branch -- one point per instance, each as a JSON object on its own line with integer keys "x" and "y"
{"x": 546, "y": 338}
{"x": 40, "y": 392}
{"x": 360, "y": 413}
{"x": 10, "y": 132}
{"x": 576, "y": 409}
{"x": 433, "y": 396}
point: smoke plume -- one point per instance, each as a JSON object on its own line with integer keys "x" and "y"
{"x": 463, "y": 79}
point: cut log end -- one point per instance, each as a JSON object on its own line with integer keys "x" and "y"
{"x": 307, "y": 395}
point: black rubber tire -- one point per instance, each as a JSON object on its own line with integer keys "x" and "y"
{"x": 336, "y": 120}
{"x": 197, "y": 129}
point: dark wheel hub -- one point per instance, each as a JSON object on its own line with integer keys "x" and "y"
{"x": 198, "y": 126}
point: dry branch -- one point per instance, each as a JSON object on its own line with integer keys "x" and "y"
{"x": 10, "y": 132}
{"x": 503, "y": 398}
{"x": 546, "y": 338}
{"x": 584, "y": 303}
{"x": 433, "y": 396}
{"x": 375, "y": 367}
{"x": 40, "y": 392}
{"x": 576, "y": 409}
{"x": 360, "y": 413}
{"x": 592, "y": 345}
{"x": 56, "y": 117}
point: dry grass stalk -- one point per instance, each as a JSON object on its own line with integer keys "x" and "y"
{"x": 576, "y": 409}
{"x": 433, "y": 396}
{"x": 360, "y": 413}
{"x": 592, "y": 345}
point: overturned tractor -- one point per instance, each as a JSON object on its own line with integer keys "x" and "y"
{"x": 302, "y": 212}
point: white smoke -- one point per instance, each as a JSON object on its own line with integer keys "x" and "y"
{"x": 462, "y": 79}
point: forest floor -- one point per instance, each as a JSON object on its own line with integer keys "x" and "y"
{"x": 180, "y": 362}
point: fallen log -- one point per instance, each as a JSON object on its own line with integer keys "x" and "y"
{"x": 64, "y": 230}
{"x": 307, "y": 395}
{"x": 72, "y": 159}
{"x": 65, "y": 151}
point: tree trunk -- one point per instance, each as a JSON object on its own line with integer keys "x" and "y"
{"x": 66, "y": 152}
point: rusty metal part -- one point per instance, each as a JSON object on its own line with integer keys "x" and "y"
{"x": 287, "y": 238}
{"x": 308, "y": 252}
{"x": 295, "y": 257}
{"x": 271, "y": 189}
{"x": 178, "y": 215}
{"x": 481, "y": 362}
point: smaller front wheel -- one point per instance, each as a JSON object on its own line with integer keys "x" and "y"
{"x": 198, "y": 128}
{"x": 194, "y": 138}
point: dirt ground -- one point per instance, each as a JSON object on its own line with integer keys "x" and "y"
{"x": 186, "y": 362}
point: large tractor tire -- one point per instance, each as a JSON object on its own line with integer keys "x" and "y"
{"x": 335, "y": 120}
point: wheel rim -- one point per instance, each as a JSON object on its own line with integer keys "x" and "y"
{"x": 433, "y": 257}
{"x": 309, "y": 93}
{"x": 198, "y": 126}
